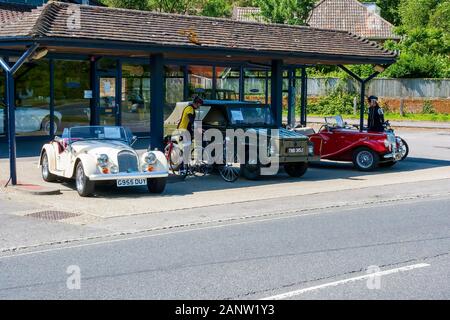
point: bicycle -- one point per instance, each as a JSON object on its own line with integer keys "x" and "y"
{"x": 174, "y": 152}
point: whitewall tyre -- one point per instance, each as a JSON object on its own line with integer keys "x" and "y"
{"x": 45, "y": 169}
{"x": 85, "y": 187}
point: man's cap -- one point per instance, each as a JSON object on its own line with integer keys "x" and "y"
{"x": 372, "y": 98}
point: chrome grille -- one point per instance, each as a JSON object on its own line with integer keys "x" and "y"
{"x": 392, "y": 141}
{"x": 127, "y": 162}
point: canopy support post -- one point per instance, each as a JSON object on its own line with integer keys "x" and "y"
{"x": 304, "y": 97}
{"x": 157, "y": 101}
{"x": 362, "y": 83}
{"x": 291, "y": 97}
{"x": 277, "y": 91}
{"x": 10, "y": 104}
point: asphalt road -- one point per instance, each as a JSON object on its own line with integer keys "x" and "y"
{"x": 319, "y": 255}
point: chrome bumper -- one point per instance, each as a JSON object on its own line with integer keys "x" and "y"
{"x": 396, "y": 156}
{"x": 131, "y": 175}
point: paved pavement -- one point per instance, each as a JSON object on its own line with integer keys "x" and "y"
{"x": 319, "y": 255}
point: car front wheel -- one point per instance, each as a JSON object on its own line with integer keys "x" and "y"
{"x": 85, "y": 187}
{"x": 404, "y": 149}
{"x": 45, "y": 170}
{"x": 296, "y": 170}
{"x": 156, "y": 185}
{"x": 365, "y": 159}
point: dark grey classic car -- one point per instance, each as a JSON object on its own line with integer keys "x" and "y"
{"x": 287, "y": 148}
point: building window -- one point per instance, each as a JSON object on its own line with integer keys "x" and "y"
{"x": 257, "y": 85}
{"x": 174, "y": 88}
{"x": 72, "y": 93}
{"x": 200, "y": 81}
{"x": 33, "y": 99}
{"x": 136, "y": 97}
{"x": 227, "y": 83}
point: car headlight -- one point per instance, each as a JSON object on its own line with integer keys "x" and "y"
{"x": 102, "y": 160}
{"x": 150, "y": 158}
{"x": 311, "y": 149}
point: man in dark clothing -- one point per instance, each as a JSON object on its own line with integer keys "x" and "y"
{"x": 376, "y": 115}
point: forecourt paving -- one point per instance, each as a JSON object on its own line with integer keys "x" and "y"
{"x": 426, "y": 163}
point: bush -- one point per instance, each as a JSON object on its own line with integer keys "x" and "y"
{"x": 428, "y": 108}
{"x": 333, "y": 104}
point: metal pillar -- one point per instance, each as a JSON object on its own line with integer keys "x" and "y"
{"x": 214, "y": 83}
{"x": 291, "y": 97}
{"x": 157, "y": 101}
{"x": 241, "y": 84}
{"x": 304, "y": 98}
{"x": 52, "y": 98}
{"x": 186, "y": 96}
{"x": 118, "y": 93}
{"x": 11, "y": 126}
{"x": 266, "y": 89}
{"x": 95, "y": 88}
{"x": 362, "y": 83}
{"x": 277, "y": 91}
{"x": 10, "y": 103}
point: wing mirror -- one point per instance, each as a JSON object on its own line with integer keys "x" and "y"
{"x": 133, "y": 140}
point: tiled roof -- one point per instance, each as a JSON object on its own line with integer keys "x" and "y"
{"x": 9, "y": 11}
{"x": 352, "y": 16}
{"x": 247, "y": 14}
{"x": 53, "y": 20}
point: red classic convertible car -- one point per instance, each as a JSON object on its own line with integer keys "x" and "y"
{"x": 338, "y": 141}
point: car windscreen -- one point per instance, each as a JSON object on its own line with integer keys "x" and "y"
{"x": 335, "y": 121}
{"x": 97, "y": 133}
{"x": 251, "y": 116}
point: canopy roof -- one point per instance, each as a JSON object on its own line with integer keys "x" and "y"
{"x": 84, "y": 29}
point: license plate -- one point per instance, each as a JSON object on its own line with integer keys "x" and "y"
{"x": 295, "y": 150}
{"x": 131, "y": 182}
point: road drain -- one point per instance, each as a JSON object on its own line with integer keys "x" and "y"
{"x": 52, "y": 215}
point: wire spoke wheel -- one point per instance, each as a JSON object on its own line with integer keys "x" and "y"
{"x": 365, "y": 159}
{"x": 229, "y": 172}
{"x": 201, "y": 167}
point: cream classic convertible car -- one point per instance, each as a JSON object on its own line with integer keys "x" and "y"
{"x": 90, "y": 154}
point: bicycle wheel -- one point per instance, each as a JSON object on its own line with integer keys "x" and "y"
{"x": 201, "y": 167}
{"x": 174, "y": 157}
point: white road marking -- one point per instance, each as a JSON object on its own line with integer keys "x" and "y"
{"x": 336, "y": 283}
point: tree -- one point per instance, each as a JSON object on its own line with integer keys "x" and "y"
{"x": 389, "y": 10}
{"x": 440, "y": 18}
{"x": 216, "y": 8}
{"x": 174, "y": 6}
{"x": 416, "y": 13}
{"x": 127, "y": 4}
{"x": 286, "y": 11}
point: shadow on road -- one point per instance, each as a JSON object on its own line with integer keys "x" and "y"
{"x": 318, "y": 171}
